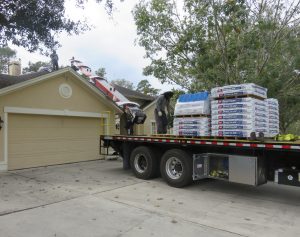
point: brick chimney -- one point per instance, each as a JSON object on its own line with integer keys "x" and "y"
{"x": 14, "y": 68}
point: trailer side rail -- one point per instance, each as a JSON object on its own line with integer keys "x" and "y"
{"x": 272, "y": 145}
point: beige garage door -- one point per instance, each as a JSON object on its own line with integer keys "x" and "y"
{"x": 35, "y": 140}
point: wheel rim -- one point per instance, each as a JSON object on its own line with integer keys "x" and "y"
{"x": 174, "y": 168}
{"x": 140, "y": 163}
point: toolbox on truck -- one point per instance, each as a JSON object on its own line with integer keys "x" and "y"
{"x": 233, "y": 168}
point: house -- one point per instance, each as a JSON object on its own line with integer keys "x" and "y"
{"x": 149, "y": 127}
{"x": 135, "y": 96}
{"x": 51, "y": 118}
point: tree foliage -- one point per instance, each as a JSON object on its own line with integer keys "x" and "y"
{"x": 145, "y": 87}
{"x": 34, "y": 23}
{"x": 6, "y": 54}
{"x": 34, "y": 67}
{"x": 124, "y": 83}
{"x": 101, "y": 72}
{"x": 214, "y": 42}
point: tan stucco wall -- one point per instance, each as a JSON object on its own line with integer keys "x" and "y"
{"x": 146, "y": 129}
{"x": 45, "y": 95}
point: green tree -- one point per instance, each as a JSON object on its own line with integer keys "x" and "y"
{"x": 34, "y": 67}
{"x": 6, "y": 54}
{"x": 101, "y": 72}
{"x": 145, "y": 87}
{"x": 124, "y": 83}
{"x": 213, "y": 42}
{"x": 34, "y": 23}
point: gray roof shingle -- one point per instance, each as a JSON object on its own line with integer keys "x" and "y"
{"x": 7, "y": 80}
{"x": 133, "y": 94}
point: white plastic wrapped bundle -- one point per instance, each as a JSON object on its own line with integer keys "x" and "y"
{"x": 205, "y": 121}
{"x": 198, "y": 126}
{"x": 191, "y": 133}
{"x": 238, "y": 127}
{"x": 255, "y": 110}
{"x": 193, "y": 104}
{"x": 240, "y": 121}
{"x": 192, "y": 108}
{"x": 236, "y": 103}
{"x": 239, "y": 90}
{"x": 273, "y": 116}
{"x": 238, "y": 117}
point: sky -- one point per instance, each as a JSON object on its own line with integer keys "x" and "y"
{"x": 110, "y": 44}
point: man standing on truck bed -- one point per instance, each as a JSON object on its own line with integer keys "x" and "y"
{"x": 162, "y": 103}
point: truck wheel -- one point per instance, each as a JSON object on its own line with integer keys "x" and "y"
{"x": 144, "y": 163}
{"x": 176, "y": 168}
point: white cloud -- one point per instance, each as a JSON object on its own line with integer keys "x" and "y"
{"x": 110, "y": 44}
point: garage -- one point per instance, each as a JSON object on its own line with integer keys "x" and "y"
{"x": 51, "y": 118}
{"x": 35, "y": 140}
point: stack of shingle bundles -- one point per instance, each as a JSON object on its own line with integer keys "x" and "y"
{"x": 273, "y": 116}
{"x": 192, "y": 115}
{"x": 239, "y": 110}
{"x": 197, "y": 126}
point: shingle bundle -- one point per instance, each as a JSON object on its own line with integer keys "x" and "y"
{"x": 193, "y": 104}
{"x": 273, "y": 116}
{"x": 239, "y": 90}
{"x": 198, "y": 126}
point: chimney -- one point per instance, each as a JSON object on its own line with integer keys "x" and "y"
{"x": 14, "y": 68}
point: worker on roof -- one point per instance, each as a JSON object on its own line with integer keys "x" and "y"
{"x": 54, "y": 60}
{"x": 162, "y": 104}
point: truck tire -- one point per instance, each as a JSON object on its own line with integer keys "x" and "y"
{"x": 144, "y": 163}
{"x": 176, "y": 168}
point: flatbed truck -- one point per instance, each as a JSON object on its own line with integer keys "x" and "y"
{"x": 182, "y": 160}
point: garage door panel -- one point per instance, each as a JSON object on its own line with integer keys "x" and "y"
{"x": 17, "y": 136}
{"x": 35, "y": 140}
{"x": 29, "y": 161}
{"x": 51, "y": 146}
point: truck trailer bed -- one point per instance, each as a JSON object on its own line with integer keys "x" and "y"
{"x": 183, "y": 159}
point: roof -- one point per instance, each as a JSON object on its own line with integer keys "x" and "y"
{"x": 133, "y": 94}
{"x": 150, "y": 104}
{"x": 10, "y": 84}
{"x": 8, "y": 80}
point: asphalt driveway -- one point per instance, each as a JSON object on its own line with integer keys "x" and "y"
{"x": 100, "y": 199}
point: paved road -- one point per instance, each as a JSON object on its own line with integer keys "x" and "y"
{"x": 100, "y": 199}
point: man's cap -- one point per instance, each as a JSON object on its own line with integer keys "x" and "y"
{"x": 168, "y": 93}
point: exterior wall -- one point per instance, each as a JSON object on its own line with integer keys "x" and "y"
{"x": 146, "y": 130}
{"x": 45, "y": 95}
